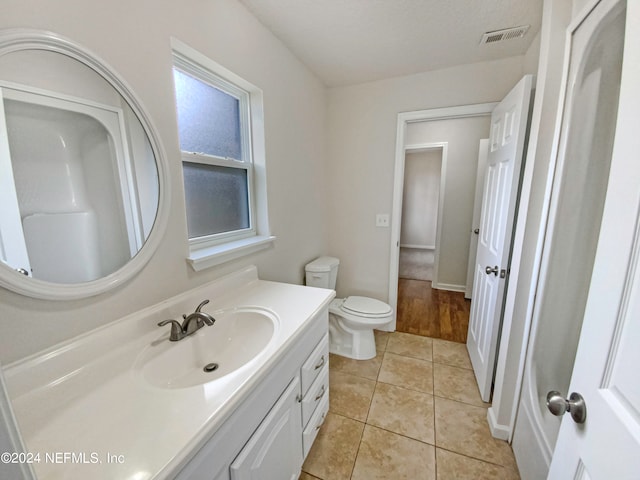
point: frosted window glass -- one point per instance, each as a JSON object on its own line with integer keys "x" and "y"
{"x": 208, "y": 118}
{"x": 217, "y": 199}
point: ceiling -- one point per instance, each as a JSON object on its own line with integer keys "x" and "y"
{"x": 354, "y": 41}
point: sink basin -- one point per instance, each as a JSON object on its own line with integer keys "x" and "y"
{"x": 238, "y": 336}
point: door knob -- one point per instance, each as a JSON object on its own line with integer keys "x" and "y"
{"x": 476, "y": 231}
{"x": 493, "y": 270}
{"x": 558, "y": 405}
{"x": 23, "y": 271}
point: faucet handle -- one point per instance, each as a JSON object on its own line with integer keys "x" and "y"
{"x": 202, "y": 304}
{"x": 176, "y": 329}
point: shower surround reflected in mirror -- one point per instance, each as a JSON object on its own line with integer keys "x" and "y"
{"x": 81, "y": 180}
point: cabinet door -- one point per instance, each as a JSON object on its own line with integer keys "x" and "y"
{"x": 274, "y": 451}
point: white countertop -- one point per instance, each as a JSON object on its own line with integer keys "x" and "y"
{"x": 87, "y": 413}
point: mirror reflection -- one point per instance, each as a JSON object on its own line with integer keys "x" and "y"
{"x": 78, "y": 178}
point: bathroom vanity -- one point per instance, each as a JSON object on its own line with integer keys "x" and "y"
{"x": 125, "y": 402}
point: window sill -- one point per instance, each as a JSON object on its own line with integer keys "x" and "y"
{"x": 202, "y": 258}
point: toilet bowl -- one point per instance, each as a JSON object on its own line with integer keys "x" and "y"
{"x": 351, "y": 324}
{"x": 352, "y": 319}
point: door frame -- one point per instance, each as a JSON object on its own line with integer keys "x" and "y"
{"x": 404, "y": 118}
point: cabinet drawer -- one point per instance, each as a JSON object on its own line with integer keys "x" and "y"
{"x": 317, "y": 419}
{"x": 318, "y": 390}
{"x": 312, "y": 367}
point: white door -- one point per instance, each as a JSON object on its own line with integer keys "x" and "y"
{"x": 13, "y": 249}
{"x": 506, "y": 149}
{"x": 483, "y": 151}
{"x": 605, "y": 372}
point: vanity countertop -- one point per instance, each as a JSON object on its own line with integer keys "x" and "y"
{"x": 86, "y": 411}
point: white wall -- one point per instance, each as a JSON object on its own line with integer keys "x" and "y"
{"x": 420, "y": 199}
{"x": 532, "y": 56}
{"x": 463, "y": 137}
{"x": 134, "y": 38}
{"x": 362, "y": 123}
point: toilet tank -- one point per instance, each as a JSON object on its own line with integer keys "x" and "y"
{"x": 322, "y": 272}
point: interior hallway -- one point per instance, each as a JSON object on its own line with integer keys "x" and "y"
{"x": 412, "y": 412}
{"x": 428, "y": 312}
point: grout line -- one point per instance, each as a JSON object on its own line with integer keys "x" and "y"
{"x": 375, "y": 388}
{"x": 405, "y": 388}
{"x": 409, "y": 357}
{"x": 462, "y": 402}
{"x": 479, "y": 459}
{"x": 353, "y": 467}
{"x": 468, "y": 369}
{"x": 402, "y": 434}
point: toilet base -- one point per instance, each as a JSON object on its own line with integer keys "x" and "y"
{"x": 359, "y": 344}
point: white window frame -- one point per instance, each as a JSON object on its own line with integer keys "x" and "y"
{"x": 211, "y": 250}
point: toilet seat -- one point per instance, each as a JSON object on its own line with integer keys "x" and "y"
{"x": 359, "y": 319}
{"x": 365, "y": 307}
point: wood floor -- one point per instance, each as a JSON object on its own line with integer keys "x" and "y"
{"x": 425, "y": 311}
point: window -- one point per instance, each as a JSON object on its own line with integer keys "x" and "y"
{"x": 215, "y": 111}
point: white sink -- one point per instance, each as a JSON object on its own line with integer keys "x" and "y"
{"x": 238, "y": 336}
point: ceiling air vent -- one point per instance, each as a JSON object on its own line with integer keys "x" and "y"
{"x": 505, "y": 34}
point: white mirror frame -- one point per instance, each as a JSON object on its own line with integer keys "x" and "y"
{"x": 25, "y": 39}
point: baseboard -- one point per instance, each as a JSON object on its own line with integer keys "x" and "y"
{"x": 418, "y": 247}
{"x": 498, "y": 431}
{"x": 449, "y": 286}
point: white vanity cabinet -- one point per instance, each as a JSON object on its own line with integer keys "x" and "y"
{"x": 274, "y": 450}
{"x": 268, "y": 436}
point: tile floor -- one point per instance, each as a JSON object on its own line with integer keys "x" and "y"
{"x": 413, "y": 412}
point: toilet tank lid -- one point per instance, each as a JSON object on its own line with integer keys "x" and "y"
{"x": 366, "y": 305}
{"x": 322, "y": 264}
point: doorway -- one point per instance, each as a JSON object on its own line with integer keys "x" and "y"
{"x": 425, "y": 131}
{"x": 422, "y": 309}
{"x": 421, "y": 211}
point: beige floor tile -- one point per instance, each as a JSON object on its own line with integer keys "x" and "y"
{"x": 456, "y": 384}
{"x": 361, "y": 368}
{"x": 463, "y": 428}
{"x": 403, "y": 411}
{"x": 451, "y": 353}
{"x": 306, "y": 476}
{"x": 350, "y": 395}
{"x": 384, "y": 455}
{"x": 381, "y": 340}
{"x": 452, "y": 466}
{"x": 410, "y": 345}
{"x": 333, "y": 453}
{"x": 407, "y": 372}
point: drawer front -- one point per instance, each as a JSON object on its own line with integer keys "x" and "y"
{"x": 317, "y": 419}
{"x": 318, "y": 391}
{"x": 313, "y": 366}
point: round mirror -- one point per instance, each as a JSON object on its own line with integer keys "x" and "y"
{"x": 82, "y": 177}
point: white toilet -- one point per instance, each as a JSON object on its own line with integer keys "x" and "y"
{"x": 351, "y": 319}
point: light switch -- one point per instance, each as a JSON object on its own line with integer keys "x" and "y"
{"x": 382, "y": 220}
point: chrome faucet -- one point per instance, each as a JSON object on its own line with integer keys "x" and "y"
{"x": 191, "y": 324}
